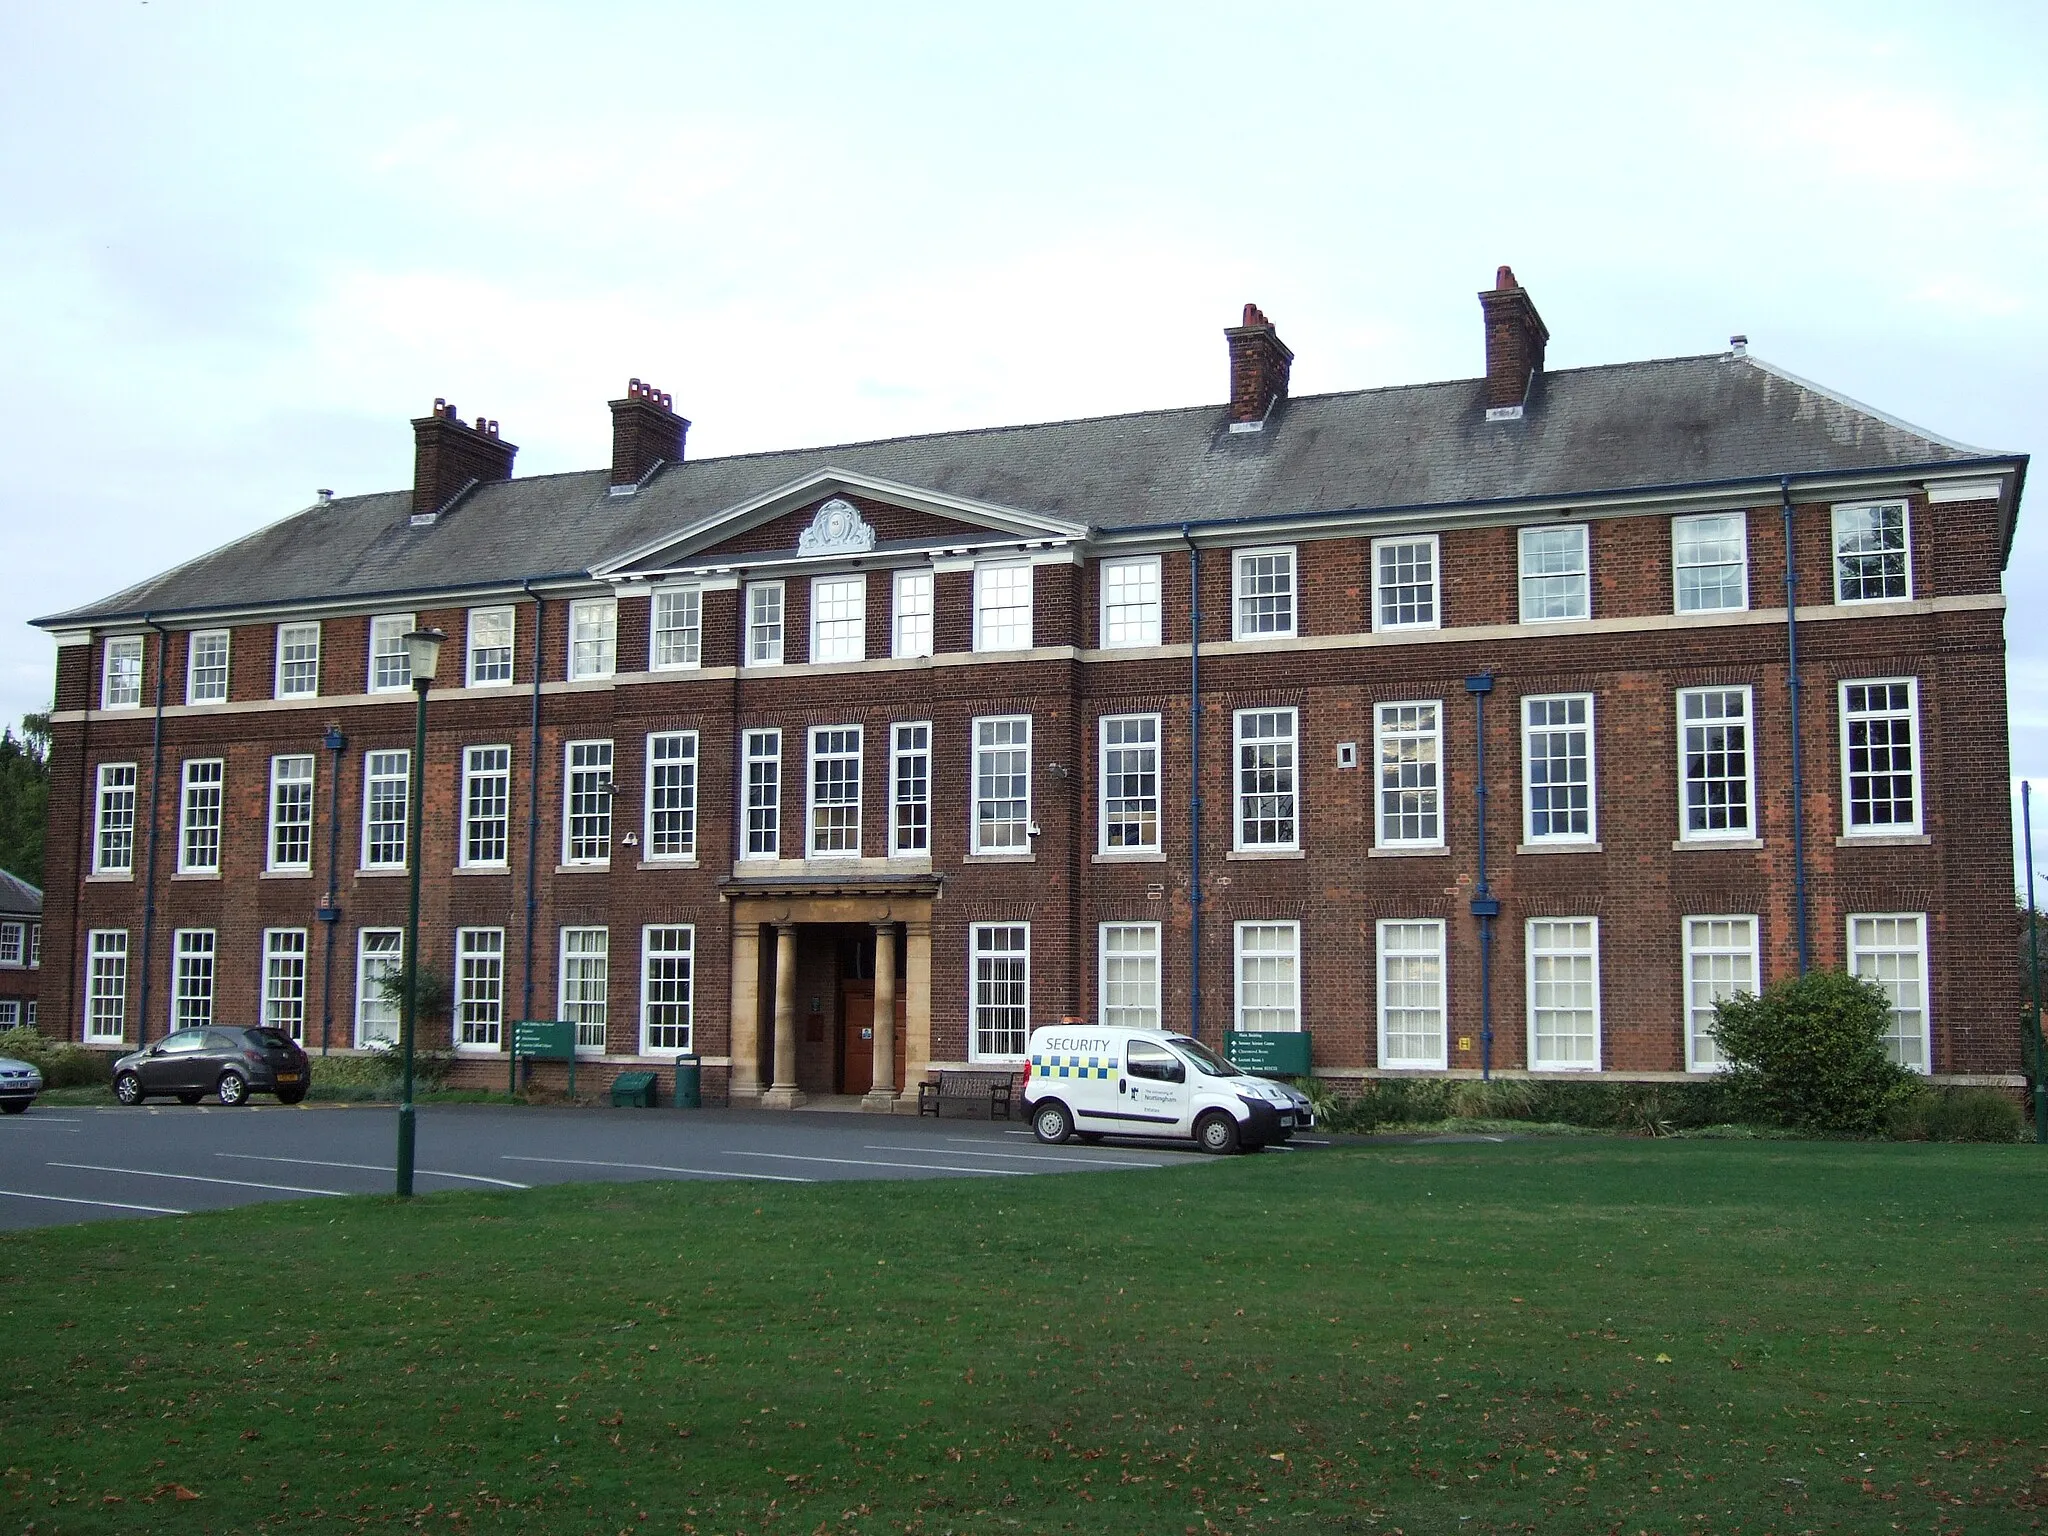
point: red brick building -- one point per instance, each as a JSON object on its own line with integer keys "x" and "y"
{"x": 726, "y": 754}
{"x": 21, "y": 951}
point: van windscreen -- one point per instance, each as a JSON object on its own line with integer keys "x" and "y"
{"x": 1210, "y": 1063}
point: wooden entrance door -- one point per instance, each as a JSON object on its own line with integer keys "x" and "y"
{"x": 857, "y": 1036}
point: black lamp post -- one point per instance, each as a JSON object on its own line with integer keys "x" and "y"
{"x": 423, "y": 655}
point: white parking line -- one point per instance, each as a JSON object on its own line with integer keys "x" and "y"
{"x": 314, "y": 1162}
{"x": 1030, "y": 1157}
{"x": 46, "y": 1120}
{"x": 199, "y": 1178}
{"x": 876, "y": 1162}
{"x": 702, "y": 1173}
{"x": 112, "y": 1205}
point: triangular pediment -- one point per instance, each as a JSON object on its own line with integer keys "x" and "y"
{"x": 833, "y": 514}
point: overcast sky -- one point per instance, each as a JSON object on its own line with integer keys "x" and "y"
{"x": 242, "y": 244}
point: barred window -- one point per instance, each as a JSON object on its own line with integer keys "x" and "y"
{"x": 1710, "y": 562}
{"x": 912, "y": 616}
{"x": 390, "y": 662}
{"x": 291, "y": 812}
{"x": 587, "y": 805}
{"x": 479, "y": 988}
{"x": 1405, "y": 583}
{"x": 1130, "y": 783}
{"x": 206, "y": 667}
{"x": 490, "y": 646}
{"x": 106, "y": 1005}
{"x": 113, "y": 842}
{"x": 1002, "y": 784}
{"x": 999, "y": 964}
{"x": 192, "y": 951}
{"x": 672, "y": 795}
{"x": 1880, "y": 768}
{"x": 1557, "y": 769}
{"x": 1268, "y": 977}
{"x": 1720, "y": 963}
{"x": 486, "y": 806}
{"x": 668, "y": 958}
{"x": 1130, "y": 602}
{"x": 199, "y": 817}
{"x": 585, "y": 984}
{"x": 1409, "y": 808}
{"x": 1002, "y": 607}
{"x": 910, "y": 789}
{"x": 1130, "y": 975}
{"x": 593, "y": 637}
{"x": 1266, "y": 779}
{"x": 1716, "y": 771}
{"x": 835, "y": 790}
{"x": 1564, "y": 993}
{"x": 298, "y": 661}
{"x": 121, "y": 673}
{"x": 764, "y": 624}
{"x": 1553, "y": 574}
{"x": 839, "y": 618}
{"x": 1872, "y": 557}
{"x": 284, "y": 981}
{"x": 764, "y": 795}
{"x": 384, "y": 791}
{"x": 678, "y": 620}
{"x": 380, "y": 958}
{"x": 1412, "y": 1004}
{"x": 1265, "y": 594}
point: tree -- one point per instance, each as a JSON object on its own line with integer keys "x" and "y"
{"x": 1810, "y": 1053}
{"x": 25, "y": 797}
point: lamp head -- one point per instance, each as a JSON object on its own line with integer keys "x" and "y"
{"x": 423, "y": 652}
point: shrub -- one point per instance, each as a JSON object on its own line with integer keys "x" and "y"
{"x": 1957, "y": 1114}
{"x": 62, "y": 1064}
{"x": 1810, "y": 1054}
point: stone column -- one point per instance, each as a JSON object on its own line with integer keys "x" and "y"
{"x": 745, "y": 1043}
{"x": 917, "y": 1000}
{"x": 881, "y": 1095}
{"x": 783, "y": 1093}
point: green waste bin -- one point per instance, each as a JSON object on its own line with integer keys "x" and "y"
{"x": 689, "y": 1083}
{"x": 635, "y": 1090}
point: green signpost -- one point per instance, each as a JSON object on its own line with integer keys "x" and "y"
{"x": 1269, "y": 1052}
{"x": 543, "y": 1040}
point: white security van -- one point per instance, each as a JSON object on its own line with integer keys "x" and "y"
{"x": 1093, "y": 1083}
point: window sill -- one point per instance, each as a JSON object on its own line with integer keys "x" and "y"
{"x": 380, "y": 874}
{"x": 197, "y": 874}
{"x": 1581, "y": 618}
{"x": 1717, "y": 845}
{"x": 111, "y": 879}
{"x": 482, "y": 869}
{"x": 1397, "y": 852}
{"x": 584, "y": 869}
{"x": 1885, "y": 840}
{"x": 1253, "y": 855}
{"x": 285, "y": 874}
{"x": 999, "y": 858}
{"x": 1127, "y": 856}
{"x": 479, "y": 1050}
{"x": 659, "y": 863}
{"x": 1559, "y": 847}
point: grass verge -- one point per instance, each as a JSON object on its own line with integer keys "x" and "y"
{"x": 1565, "y": 1336}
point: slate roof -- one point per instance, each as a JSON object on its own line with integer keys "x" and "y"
{"x": 1629, "y": 426}
{"x": 18, "y": 898}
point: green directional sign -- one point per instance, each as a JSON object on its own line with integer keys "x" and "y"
{"x": 547, "y": 1039}
{"x": 1269, "y": 1052}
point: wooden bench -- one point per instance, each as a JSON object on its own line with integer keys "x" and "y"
{"x": 953, "y": 1085}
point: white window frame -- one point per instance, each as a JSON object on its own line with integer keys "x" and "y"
{"x": 1748, "y": 832}
{"x": 765, "y": 632}
{"x": 1534, "y": 954}
{"x": 1014, "y": 836}
{"x": 1836, "y": 554}
{"x": 1914, "y": 746}
{"x": 672, "y": 948}
{"x": 1698, "y": 943}
{"x": 978, "y": 951}
{"x": 1391, "y": 544}
{"x": 819, "y": 840}
{"x": 202, "y": 813}
{"x": 1244, "y": 1012}
{"x": 1531, "y": 586}
{"x": 593, "y": 639}
{"x": 203, "y": 641}
{"x": 291, "y": 637}
{"x": 196, "y": 986}
{"x": 589, "y": 779}
{"x": 371, "y": 1009}
{"x": 1108, "y": 775}
{"x": 913, "y": 609}
{"x": 106, "y": 985}
{"x": 283, "y": 1006}
{"x": 1418, "y": 749}
{"x": 1125, "y": 1000}
{"x": 112, "y": 800}
{"x": 1242, "y": 800}
{"x": 1247, "y": 620}
{"x": 684, "y": 607}
{"x": 1530, "y": 730}
{"x": 296, "y": 772}
{"x": 995, "y": 627}
{"x": 1416, "y": 996}
{"x": 1680, "y": 526}
{"x": 761, "y": 807}
{"x": 481, "y": 766}
{"x": 478, "y": 1027}
{"x": 387, "y": 644}
{"x": 10, "y": 1013}
{"x": 1861, "y": 952}
{"x": 480, "y": 661}
{"x": 682, "y": 764}
{"x": 13, "y": 945}
{"x": 839, "y": 621}
{"x": 121, "y": 668}
{"x": 592, "y": 1015}
{"x": 35, "y": 946}
{"x": 1127, "y": 621}
{"x": 396, "y": 766}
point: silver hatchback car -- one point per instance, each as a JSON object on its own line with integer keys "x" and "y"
{"x": 20, "y": 1082}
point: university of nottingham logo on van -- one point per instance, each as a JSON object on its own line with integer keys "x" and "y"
{"x": 1051, "y": 1065}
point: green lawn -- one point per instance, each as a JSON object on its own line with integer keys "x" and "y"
{"x": 1612, "y": 1336}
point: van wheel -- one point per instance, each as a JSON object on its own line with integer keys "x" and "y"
{"x": 1216, "y": 1132}
{"x": 1051, "y": 1123}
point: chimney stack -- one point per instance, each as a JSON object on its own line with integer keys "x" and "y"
{"x": 1515, "y": 335}
{"x": 1259, "y": 365}
{"x": 447, "y": 455}
{"x": 646, "y": 431}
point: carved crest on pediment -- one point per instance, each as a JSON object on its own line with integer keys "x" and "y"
{"x": 837, "y": 529}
